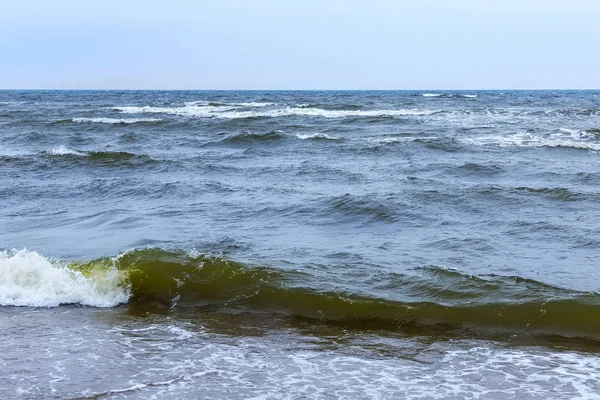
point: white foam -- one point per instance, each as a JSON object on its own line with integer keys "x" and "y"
{"x": 116, "y": 120}
{"x": 253, "y": 104}
{"x": 569, "y": 131}
{"x": 398, "y": 139}
{"x": 189, "y": 110}
{"x": 432, "y": 94}
{"x": 318, "y": 112}
{"x": 317, "y": 136}
{"x": 29, "y": 279}
{"x": 470, "y": 96}
{"x": 181, "y": 334}
{"x": 227, "y": 112}
{"x": 62, "y": 150}
{"x": 228, "y": 105}
{"x": 529, "y": 140}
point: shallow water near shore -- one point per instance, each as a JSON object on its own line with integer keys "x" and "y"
{"x": 254, "y": 244}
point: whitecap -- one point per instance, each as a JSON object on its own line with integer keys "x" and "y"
{"x": 569, "y": 131}
{"x": 226, "y": 112}
{"x": 204, "y": 103}
{"x": 317, "y": 136}
{"x": 116, "y": 120}
{"x": 530, "y": 140}
{"x": 62, "y": 150}
{"x": 29, "y": 279}
{"x": 253, "y": 104}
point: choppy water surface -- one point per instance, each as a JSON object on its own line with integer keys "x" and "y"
{"x": 299, "y": 244}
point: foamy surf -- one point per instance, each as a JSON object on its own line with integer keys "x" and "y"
{"x": 114, "y": 121}
{"x": 29, "y": 279}
{"x": 231, "y": 112}
{"x": 317, "y": 136}
{"x": 469, "y": 96}
{"x": 219, "y": 104}
{"x": 63, "y": 150}
{"x": 575, "y": 140}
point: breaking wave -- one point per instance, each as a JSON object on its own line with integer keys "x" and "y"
{"x": 438, "y": 299}
{"x": 216, "y": 110}
{"x": 468, "y": 96}
{"x": 116, "y": 121}
{"x": 99, "y": 157}
{"x": 29, "y": 279}
{"x": 575, "y": 141}
{"x": 247, "y": 137}
{"x": 317, "y": 136}
{"x": 63, "y": 150}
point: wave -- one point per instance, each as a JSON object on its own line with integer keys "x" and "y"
{"x": 220, "y": 104}
{"x": 361, "y": 207}
{"x": 330, "y": 107}
{"x": 577, "y": 141}
{"x": 63, "y": 150}
{"x": 447, "y": 144}
{"x": 28, "y": 279}
{"x": 558, "y": 193}
{"x": 226, "y": 112}
{"x": 469, "y": 96}
{"x": 480, "y": 169}
{"x": 246, "y": 137}
{"x": 317, "y": 136}
{"x": 444, "y": 300}
{"x": 116, "y": 121}
{"x": 101, "y": 157}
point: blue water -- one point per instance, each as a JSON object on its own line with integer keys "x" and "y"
{"x": 478, "y": 201}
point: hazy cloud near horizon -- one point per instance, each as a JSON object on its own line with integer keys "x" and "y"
{"x": 264, "y": 44}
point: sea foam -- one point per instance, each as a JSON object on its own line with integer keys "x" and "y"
{"x": 317, "y": 136}
{"x": 114, "y": 121}
{"x": 29, "y": 279}
{"x": 576, "y": 141}
{"x": 231, "y": 112}
{"x": 63, "y": 150}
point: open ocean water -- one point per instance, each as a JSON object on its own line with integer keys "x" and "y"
{"x": 169, "y": 245}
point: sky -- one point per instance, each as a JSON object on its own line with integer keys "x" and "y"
{"x": 299, "y": 44}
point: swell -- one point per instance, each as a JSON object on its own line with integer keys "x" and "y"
{"x": 334, "y": 107}
{"x": 249, "y": 138}
{"x": 235, "y": 112}
{"x": 66, "y": 157}
{"x": 113, "y": 121}
{"x": 434, "y": 299}
{"x": 99, "y": 158}
{"x": 351, "y": 207}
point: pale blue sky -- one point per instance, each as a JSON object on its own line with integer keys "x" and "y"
{"x": 268, "y": 44}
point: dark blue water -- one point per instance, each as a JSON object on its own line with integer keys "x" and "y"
{"x": 441, "y": 222}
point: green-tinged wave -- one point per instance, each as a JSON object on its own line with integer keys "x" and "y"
{"x": 430, "y": 299}
{"x": 437, "y": 298}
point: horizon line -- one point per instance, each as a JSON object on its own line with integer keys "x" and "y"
{"x": 294, "y": 90}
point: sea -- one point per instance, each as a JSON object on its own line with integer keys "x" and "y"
{"x": 300, "y": 245}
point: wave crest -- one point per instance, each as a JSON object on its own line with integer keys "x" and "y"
{"x": 317, "y": 136}
{"x": 116, "y": 121}
{"x": 231, "y": 112}
{"x": 29, "y": 279}
{"x": 443, "y": 300}
{"x": 247, "y": 138}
